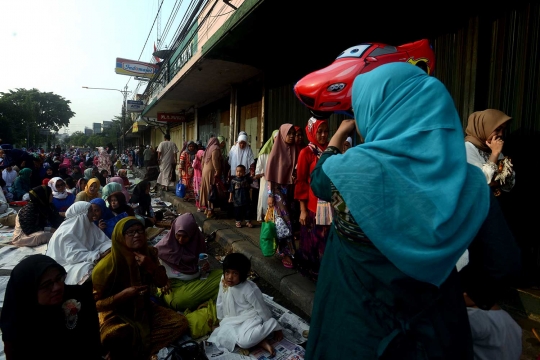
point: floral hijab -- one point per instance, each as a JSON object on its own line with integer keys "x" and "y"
{"x": 311, "y": 131}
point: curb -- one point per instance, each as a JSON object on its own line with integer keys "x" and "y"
{"x": 291, "y": 284}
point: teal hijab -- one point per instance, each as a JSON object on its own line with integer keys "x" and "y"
{"x": 409, "y": 186}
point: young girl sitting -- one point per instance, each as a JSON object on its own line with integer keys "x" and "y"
{"x": 245, "y": 319}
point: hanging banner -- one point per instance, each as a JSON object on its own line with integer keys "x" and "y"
{"x": 171, "y": 117}
{"x": 135, "y": 68}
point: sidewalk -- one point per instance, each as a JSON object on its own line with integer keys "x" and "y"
{"x": 296, "y": 288}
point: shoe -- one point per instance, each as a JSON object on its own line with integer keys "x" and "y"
{"x": 287, "y": 262}
{"x": 238, "y": 224}
{"x": 210, "y": 214}
{"x": 249, "y": 224}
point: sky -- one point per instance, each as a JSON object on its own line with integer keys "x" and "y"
{"x": 60, "y": 46}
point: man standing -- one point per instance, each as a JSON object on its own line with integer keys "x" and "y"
{"x": 147, "y": 156}
{"x": 166, "y": 151}
{"x": 140, "y": 156}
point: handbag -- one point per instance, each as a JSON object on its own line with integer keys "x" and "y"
{"x": 324, "y": 215}
{"x": 282, "y": 230}
{"x": 267, "y": 237}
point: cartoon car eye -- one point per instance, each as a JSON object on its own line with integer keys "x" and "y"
{"x": 355, "y": 51}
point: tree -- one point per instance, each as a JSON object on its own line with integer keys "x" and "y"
{"x": 32, "y": 110}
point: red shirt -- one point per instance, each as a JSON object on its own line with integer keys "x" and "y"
{"x": 302, "y": 191}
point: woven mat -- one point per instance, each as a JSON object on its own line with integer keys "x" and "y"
{"x": 152, "y": 232}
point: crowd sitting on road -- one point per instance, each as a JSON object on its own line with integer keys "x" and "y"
{"x": 338, "y": 207}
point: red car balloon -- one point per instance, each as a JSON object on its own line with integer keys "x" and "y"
{"x": 328, "y": 90}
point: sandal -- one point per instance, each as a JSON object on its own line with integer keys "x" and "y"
{"x": 210, "y": 214}
{"x": 249, "y": 224}
{"x": 238, "y": 224}
{"x": 287, "y": 262}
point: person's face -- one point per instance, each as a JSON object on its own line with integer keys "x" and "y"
{"x": 240, "y": 171}
{"x": 60, "y": 186}
{"x": 299, "y": 137}
{"x": 104, "y": 173}
{"x": 95, "y": 210}
{"x": 49, "y": 172}
{"x": 182, "y": 237}
{"x": 222, "y": 145}
{"x": 83, "y": 184}
{"x": 9, "y": 168}
{"x": 191, "y": 147}
{"x": 93, "y": 188}
{"x": 498, "y": 132}
{"x": 135, "y": 237}
{"x": 242, "y": 144}
{"x": 289, "y": 139}
{"x": 114, "y": 202}
{"x": 231, "y": 277}
{"x": 51, "y": 287}
{"x": 321, "y": 135}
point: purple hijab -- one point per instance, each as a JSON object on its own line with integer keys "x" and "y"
{"x": 182, "y": 258}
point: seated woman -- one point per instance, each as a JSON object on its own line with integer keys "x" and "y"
{"x": 141, "y": 197}
{"x": 120, "y": 181}
{"x": 133, "y": 326}
{"x": 81, "y": 184}
{"x": 39, "y": 310}
{"x": 91, "y": 191}
{"x": 179, "y": 253}
{"x": 122, "y": 173}
{"x": 34, "y": 217}
{"x": 105, "y": 219}
{"x": 78, "y": 244}
{"x": 109, "y": 189}
{"x": 62, "y": 199}
{"x": 21, "y": 185}
{"x": 118, "y": 204}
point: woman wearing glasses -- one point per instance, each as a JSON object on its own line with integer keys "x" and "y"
{"x": 39, "y": 310}
{"x": 132, "y": 325}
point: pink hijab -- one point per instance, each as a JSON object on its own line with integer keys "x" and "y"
{"x": 119, "y": 180}
{"x": 282, "y": 158}
{"x": 182, "y": 258}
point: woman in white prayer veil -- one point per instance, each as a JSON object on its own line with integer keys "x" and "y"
{"x": 241, "y": 154}
{"x": 78, "y": 244}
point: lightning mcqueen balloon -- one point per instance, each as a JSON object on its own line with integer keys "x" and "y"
{"x": 328, "y": 90}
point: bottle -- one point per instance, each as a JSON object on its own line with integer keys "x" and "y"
{"x": 203, "y": 259}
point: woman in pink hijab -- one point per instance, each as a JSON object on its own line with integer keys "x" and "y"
{"x": 119, "y": 180}
{"x": 179, "y": 253}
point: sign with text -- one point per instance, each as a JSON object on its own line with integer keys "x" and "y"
{"x": 135, "y": 68}
{"x": 171, "y": 117}
{"x": 134, "y": 105}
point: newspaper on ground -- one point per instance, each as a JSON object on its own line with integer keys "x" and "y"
{"x": 285, "y": 350}
{"x": 3, "y": 284}
{"x": 11, "y": 255}
{"x": 295, "y": 329}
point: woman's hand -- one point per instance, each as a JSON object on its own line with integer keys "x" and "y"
{"x": 345, "y": 128}
{"x": 131, "y": 292}
{"x": 145, "y": 262}
{"x": 303, "y": 217}
{"x": 167, "y": 288}
{"x": 102, "y": 224}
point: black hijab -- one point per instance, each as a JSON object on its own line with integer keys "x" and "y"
{"x": 23, "y": 320}
{"x": 140, "y": 197}
{"x": 124, "y": 207}
{"x": 20, "y": 303}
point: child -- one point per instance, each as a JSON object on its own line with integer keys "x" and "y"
{"x": 197, "y": 178}
{"x": 245, "y": 319}
{"x": 239, "y": 195}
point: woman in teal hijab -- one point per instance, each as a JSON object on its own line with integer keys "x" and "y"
{"x": 407, "y": 205}
{"x": 21, "y": 185}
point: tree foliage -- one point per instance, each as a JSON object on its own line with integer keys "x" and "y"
{"x": 108, "y": 135}
{"x": 26, "y": 112}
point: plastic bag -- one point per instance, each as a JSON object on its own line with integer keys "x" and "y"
{"x": 180, "y": 190}
{"x": 201, "y": 320}
{"x": 267, "y": 237}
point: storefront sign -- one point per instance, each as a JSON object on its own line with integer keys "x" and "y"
{"x": 171, "y": 117}
{"x": 135, "y": 68}
{"x": 134, "y": 105}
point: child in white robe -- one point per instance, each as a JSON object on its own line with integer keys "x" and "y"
{"x": 245, "y": 319}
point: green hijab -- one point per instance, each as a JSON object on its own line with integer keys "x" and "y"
{"x": 224, "y": 150}
{"x": 25, "y": 174}
{"x": 267, "y": 147}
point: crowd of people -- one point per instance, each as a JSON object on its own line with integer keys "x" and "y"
{"x": 395, "y": 217}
